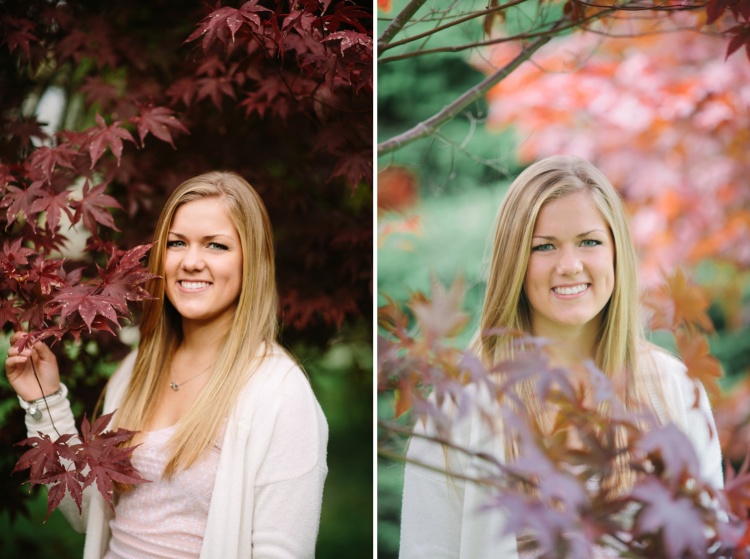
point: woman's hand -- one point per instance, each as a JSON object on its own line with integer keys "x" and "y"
{"x": 21, "y": 375}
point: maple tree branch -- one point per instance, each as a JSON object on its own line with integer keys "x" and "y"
{"x": 39, "y": 383}
{"x": 450, "y": 111}
{"x": 459, "y": 21}
{"x": 398, "y": 23}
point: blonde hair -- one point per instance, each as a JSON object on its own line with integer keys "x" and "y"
{"x": 506, "y": 305}
{"x": 253, "y": 328}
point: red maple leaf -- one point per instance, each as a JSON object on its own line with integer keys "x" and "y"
{"x": 677, "y": 518}
{"x": 224, "y": 23}
{"x": 19, "y": 33}
{"x": 44, "y": 454}
{"x": 62, "y": 481}
{"x": 9, "y": 312}
{"x": 107, "y": 462}
{"x": 741, "y": 38}
{"x": 214, "y": 88}
{"x": 45, "y": 159}
{"x": 92, "y": 207}
{"x": 98, "y": 91}
{"x": 701, "y": 365}
{"x": 354, "y": 167}
{"x": 111, "y": 136}
{"x": 124, "y": 276}
{"x": 53, "y": 204}
{"x": 83, "y": 300}
{"x": 20, "y": 200}
{"x": 46, "y": 274}
{"x": 159, "y": 121}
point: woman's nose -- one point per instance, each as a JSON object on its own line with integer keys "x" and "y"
{"x": 569, "y": 263}
{"x": 192, "y": 261}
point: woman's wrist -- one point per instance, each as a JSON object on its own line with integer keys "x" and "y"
{"x": 34, "y": 407}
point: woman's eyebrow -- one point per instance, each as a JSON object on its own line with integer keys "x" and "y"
{"x": 204, "y": 238}
{"x": 553, "y": 238}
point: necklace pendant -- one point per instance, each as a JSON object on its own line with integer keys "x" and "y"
{"x": 174, "y": 386}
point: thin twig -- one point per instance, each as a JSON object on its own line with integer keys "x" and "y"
{"x": 459, "y": 21}
{"x": 39, "y": 383}
{"x": 398, "y": 22}
{"x": 450, "y": 111}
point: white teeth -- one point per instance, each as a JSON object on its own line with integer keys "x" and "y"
{"x": 194, "y": 284}
{"x": 570, "y": 290}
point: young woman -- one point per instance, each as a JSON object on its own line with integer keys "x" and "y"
{"x": 230, "y": 433}
{"x": 563, "y": 267}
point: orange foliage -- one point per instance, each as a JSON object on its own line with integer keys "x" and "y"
{"x": 663, "y": 115}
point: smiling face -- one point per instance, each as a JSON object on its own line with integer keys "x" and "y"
{"x": 203, "y": 263}
{"x": 570, "y": 274}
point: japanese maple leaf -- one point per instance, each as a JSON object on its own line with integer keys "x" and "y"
{"x": 20, "y": 200}
{"x": 92, "y": 207}
{"x": 670, "y": 446}
{"x": 159, "y": 121}
{"x": 224, "y": 23}
{"x": 19, "y": 34}
{"x": 44, "y": 455}
{"x": 111, "y": 136}
{"x": 62, "y": 481}
{"x": 701, "y": 365}
{"x": 107, "y": 462}
{"x": 83, "y": 300}
{"x": 9, "y": 312}
{"x": 44, "y": 160}
{"x": 350, "y": 39}
{"x": 98, "y": 91}
{"x": 355, "y": 167}
{"x": 46, "y": 273}
{"x": 214, "y": 88}
{"x": 741, "y": 38}
{"x": 677, "y": 519}
{"x": 678, "y": 302}
{"x": 15, "y": 254}
{"x": 53, "y": 204}
{"x": 125, "y": 274}
{"x": 443, "y": 315}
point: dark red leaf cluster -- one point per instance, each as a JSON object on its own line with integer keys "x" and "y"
{"x": 68, "y": 467}
{"x": 279, "y": 92}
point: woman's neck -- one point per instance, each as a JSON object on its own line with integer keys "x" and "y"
{"x": 202, "y": 338}
{"x": 570, "y": 346}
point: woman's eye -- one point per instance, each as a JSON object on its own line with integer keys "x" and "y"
{"x": 173, "y": 244}
{"x": 543, "y": 248}
{"x": 217, "y": 246}
{"x": 590, "y": 243}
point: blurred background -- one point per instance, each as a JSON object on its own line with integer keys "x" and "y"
{"x": 653, "y": 101}
{"x": 291, "y": 112}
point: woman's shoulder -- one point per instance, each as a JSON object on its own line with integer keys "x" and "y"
{"x": 278, "y": 379}
{"x": 667, "y": 366}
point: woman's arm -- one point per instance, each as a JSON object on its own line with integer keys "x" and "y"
{"x": 431, "y": 512}
{"x": 289, "y": 484}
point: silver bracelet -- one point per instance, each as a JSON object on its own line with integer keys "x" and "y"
{"x": 33, "y": 408}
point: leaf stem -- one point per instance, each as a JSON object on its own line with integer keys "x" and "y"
{"x": 39, "y": 383}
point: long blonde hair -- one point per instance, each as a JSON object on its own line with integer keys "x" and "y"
{"x": 253, "y": 327}
{"x": 506, "y": 304}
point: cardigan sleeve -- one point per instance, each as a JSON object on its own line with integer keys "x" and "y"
{"x": 289, "y": 483}
{"x": 432, "y": 506}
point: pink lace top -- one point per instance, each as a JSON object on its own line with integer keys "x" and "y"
{"x": 164, "y": 518}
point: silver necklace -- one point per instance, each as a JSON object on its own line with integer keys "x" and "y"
{"x": 174, "y": 386}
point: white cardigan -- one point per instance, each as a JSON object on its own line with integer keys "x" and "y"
{"x": 441, "y": 516}
{"x": 269, "y": 483}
